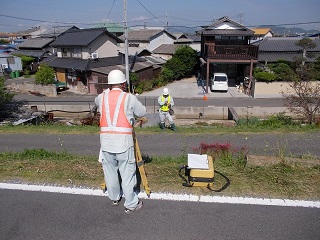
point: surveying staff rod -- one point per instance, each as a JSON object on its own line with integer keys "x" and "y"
{"x": 139, "y": 160}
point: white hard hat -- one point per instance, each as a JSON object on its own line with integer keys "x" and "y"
{"x": 116, "y": 77}
{"x": 165, "y": 91}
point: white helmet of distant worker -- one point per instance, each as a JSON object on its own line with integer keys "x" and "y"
{"x": 165, "y": 91}
{"x": 116, "y": 77}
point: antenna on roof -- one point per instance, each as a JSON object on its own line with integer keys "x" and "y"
{"x": 241, "y": 16}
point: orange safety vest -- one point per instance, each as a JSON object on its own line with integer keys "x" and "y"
{"x": 113, "y": 119}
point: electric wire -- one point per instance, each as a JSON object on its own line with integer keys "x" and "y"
{"x": 111, "y": 9}
{"x": 155, "y": 17}
{"x": 150, "y": 12}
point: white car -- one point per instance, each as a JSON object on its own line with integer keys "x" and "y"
{"x": 219, "y": 82}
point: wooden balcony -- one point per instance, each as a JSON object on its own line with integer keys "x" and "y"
{"x": 231, "y": 52}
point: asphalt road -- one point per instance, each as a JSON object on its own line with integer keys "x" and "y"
{"x": 185, "y": 93}
{"x": 171, "y": 143}
{"x": 52, "y": 216}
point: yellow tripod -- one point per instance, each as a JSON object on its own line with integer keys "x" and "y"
{"x": 139, "y": 160}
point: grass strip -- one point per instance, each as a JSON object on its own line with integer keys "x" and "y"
{"x": 279, "y": 181}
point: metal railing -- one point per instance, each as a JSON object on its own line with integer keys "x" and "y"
{"x": 245, "y": 52}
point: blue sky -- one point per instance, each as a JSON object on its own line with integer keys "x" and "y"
{"x": 17, "y": 15}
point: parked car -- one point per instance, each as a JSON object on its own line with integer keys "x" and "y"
{"x": 60, "y": 85}
{"x": 219, "y": 82}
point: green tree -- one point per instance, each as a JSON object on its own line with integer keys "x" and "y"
{"x": 305, "y": 44}
{"x": 182, "y": 63}
{"x": 283, "y": 70}
{"x": 175, "y": 67}
{"x": 4, "y": 41}
{"x": 264, "y": 76}
{"x": 188, "y": 57}
{"x": 26, "y": 61}
{"x": 316, "y": 66}
{"x": 45, "y": 75}
{"x": 5, "y": 96}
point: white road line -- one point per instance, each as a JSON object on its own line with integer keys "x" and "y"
{"x": 169, "y": 196}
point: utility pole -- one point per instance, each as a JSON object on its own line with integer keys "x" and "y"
{"x": 167, "y": 21}
{"x": 126, "y": 44}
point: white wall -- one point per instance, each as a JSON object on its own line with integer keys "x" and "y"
{"x": 158, "y": 40}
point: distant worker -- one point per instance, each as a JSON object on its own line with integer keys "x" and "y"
{"x": 117, "y": 109}
{"x": 166, "y": 103}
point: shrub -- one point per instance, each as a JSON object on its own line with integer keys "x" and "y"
{"x": 5, "y": 96}
{"x": 264, "y": 76}
{"x": 252, "y": 121}
{"x": 45, "y": 75}
{"x": 280, "y": 119}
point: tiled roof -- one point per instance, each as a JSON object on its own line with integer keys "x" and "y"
{"x": 31, "y": 53}
{"x": 68, "y": 63}
{"x": 166, "y": 49}
{"x": 81, "y": 37}
{"x": 274, "y": 48}
{"x": 224, "y": 20}
{"x": 87, "y": 64}
{"x": 261, "y": 31}
{"x": 195, "y": 38}
{"x": 288, "y": 56}
{"x": 138, "y": 66}
{"x": 178, "y": 35}
{"x": 284, "y": 44}
{"x": 134, "y": 51}
{"x": 229, "y": 32}
{"x": 56, "y": 31}
{"x": 35, "y": 43}
{"x": 144, "y": 35}
{"x": 155, "y": 60}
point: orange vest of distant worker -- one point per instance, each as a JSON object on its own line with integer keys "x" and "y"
{"x": 113, "y": 119}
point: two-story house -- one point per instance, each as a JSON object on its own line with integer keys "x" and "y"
{"x": 149, "y": 39}
{"x": 86, "y": 56}
{"x": 226, "y": 48}
{"x": 78, "y": 50}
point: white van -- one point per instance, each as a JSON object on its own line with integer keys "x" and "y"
{"x": 219, "y": 82}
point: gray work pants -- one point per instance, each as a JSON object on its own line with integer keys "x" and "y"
{"x": 165, "y": 115}
{"x": 126, "y": 164}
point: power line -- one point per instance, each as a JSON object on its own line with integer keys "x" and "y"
{"x": 155, "y": 17}
{"x": 150, "y": 12}
{"x": 111, "y": 9}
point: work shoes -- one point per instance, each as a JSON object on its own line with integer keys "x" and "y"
{"x": 116, "y": 202}
{"x": 138, "y": 207}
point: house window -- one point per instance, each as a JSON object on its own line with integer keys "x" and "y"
{"x": 76, "y": 53}
{"x": 71, "y": 52}
{"x": 133, "y": 44}
{"x": 66, "y": 52}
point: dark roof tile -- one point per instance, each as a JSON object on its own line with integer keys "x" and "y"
{"x": 166, "y": 49}
{"x": 80, "y": 37}
{"x": 283, "y": 44}
{"x": 35, "y": 43}
{"x": 229, "y": 32}
{"x": 144, "y": 35}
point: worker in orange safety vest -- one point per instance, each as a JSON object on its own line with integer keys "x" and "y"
{"x": 117, "y": 109}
